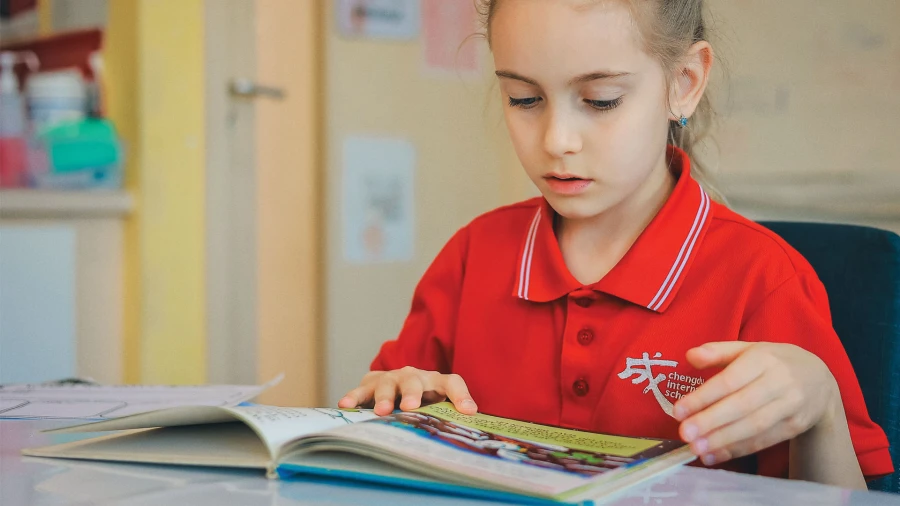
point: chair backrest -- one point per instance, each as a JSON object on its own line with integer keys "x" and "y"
{"x": 860, "y": 268}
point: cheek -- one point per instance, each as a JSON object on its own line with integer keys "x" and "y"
{"x": 631, "y": 141}
{"x": 525, "y": 136}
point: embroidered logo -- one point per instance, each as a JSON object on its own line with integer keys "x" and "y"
{"x": 675, "y": 387}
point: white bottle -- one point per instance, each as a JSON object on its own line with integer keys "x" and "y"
{"x": 56, "y": 97}
{"x": 12, "y": 108}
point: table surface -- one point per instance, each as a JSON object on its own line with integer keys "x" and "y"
{"x": 27, "y": 481}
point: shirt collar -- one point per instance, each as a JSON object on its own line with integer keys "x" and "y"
{"x": 652, "y": 270}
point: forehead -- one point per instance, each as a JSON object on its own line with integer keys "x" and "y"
{"x": 565, "y": 37}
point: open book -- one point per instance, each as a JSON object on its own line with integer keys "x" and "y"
{"x": 433, "y": 448}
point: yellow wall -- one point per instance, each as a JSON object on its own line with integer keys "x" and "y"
{"x": 45, "y": 16}
{"x": 121, "y": 95}
{"x": 156, "y": 83}
{"x": 172, "y": 191}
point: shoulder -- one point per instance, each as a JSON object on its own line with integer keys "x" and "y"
{"x": 752, "y": 248}
{"x": 495, "y": 231}
{"x": 508, "y": 221}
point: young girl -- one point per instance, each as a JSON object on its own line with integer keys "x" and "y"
{"x": 626, "y": 300}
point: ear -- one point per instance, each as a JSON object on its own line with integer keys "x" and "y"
{"x": 690, "y": 80}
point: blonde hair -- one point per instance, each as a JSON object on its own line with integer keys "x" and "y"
{"x": 668, "y": 29}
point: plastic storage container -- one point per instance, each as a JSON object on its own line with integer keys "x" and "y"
{"x": 79, "y": 155}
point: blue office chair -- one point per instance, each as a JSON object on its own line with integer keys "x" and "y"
{"x": 860, "y": 268}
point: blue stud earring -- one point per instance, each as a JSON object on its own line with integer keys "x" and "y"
{"x": 682, "y": 121}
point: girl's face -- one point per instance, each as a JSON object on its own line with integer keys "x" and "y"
{"x": 585, "y": 106}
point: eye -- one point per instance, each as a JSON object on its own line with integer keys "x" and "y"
{"x": 604, "y": 105}
{"x": 524, "y": 103}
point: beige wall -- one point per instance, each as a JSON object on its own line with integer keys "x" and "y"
{"x": 814, "y": 96}
{"x": 464, "y": 167}
{"x": 811, "y": 110}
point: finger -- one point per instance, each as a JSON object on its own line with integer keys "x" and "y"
{"x": 740, "y": 373}
{"x": 777, "y": 434}
{"x": 736, "y": 406}
{"x": 780, "y": 414}
{"x": 458, "y": 393}
{"x": 431, "y": 397}
{"x": 385, "y": 395}
{"x": 716, "y": 354}
{"x": 359, "y": 396}
{"x": 745, "y": 430}
{"x": 411, "y": 389}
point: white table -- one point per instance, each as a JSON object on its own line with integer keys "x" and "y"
{"x": 28, "y": 481}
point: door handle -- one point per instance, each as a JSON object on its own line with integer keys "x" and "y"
{"x": 245, "y": 88}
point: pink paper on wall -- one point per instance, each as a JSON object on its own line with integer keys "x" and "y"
{"x": 446, "y": 26}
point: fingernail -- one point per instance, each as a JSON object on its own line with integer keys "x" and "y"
{"x": 468, "y": 404}
{"x": 708, "y": 459}
{"x": 690, "y": 432}
{"x": 681, "y": 413}
{"x": 344, "y": 400}
{"x": 701, "y": 445}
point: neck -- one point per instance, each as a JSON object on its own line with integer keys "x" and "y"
{"x": 591, "y": 247}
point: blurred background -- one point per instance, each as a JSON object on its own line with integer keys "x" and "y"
{"x": 218, "y": 191}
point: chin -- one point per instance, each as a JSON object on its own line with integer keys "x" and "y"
{"x": 576, "y": 208}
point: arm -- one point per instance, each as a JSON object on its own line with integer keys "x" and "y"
{"x": 825, "y": 454}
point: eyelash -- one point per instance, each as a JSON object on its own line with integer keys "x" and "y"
{"x": 604, "y": 105}
{"x": 524, "y": 103}
{"x": 600, "y": 105}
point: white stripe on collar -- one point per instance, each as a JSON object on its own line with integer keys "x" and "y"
{"x": 527, "y": 254}
{"x": 683, "y": 255}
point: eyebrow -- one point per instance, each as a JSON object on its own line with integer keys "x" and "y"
{"x": 591, "y": 76}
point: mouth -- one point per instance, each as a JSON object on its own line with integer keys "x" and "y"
{"x": 567, "y": 184}
{"x": 564, "y": 177}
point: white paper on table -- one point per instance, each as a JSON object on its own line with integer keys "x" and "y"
{"x": 377, "y": 204}
{"x": 101, "y": 401}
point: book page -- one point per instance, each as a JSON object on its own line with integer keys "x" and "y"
{"x": 617, "y": 446}
{"x": 501, "y": 452}
{"x": 434, "y": 458}
{"x": 171, "y": 417}
{"x": 278, "y": 426}
{"x": 274, "y": 425}
{"x": 225, "y": 444}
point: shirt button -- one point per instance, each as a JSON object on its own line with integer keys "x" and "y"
{"x": 581, "y": 387}
{"x": 585, "y": 336}
{"x": 584, "y": 302}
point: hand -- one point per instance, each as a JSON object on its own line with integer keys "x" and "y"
{"x": 767, "y": 393}
{"x": 414, "y": 386}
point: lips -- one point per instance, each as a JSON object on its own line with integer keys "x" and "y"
{"x": 567, "y": 184}
{"x": 563, "y": 176}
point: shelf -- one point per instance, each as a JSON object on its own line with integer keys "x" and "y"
{"x": 20, "y": 42}
{"x": 29, "y": 203}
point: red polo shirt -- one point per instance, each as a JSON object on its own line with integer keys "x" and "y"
{"x": 499, "y": 307}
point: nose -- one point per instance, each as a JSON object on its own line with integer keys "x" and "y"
{"x": 561, "y": 136}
